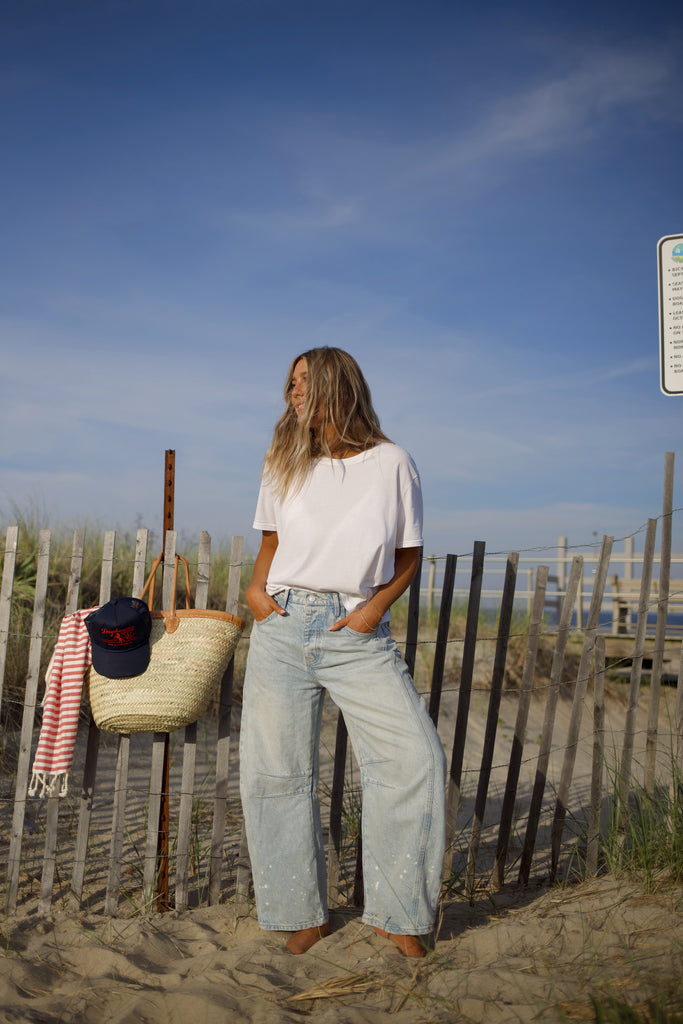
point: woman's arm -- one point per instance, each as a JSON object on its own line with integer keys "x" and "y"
{"x": 260, "y": 602}
{"x": 368, "y": 618}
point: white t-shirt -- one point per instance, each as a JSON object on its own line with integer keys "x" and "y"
{"x": 340, "y": 530}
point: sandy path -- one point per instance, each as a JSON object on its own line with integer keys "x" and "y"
{"x": 517, "y": 958}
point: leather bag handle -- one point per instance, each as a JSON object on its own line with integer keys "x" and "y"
{"x": 171, "y": 620}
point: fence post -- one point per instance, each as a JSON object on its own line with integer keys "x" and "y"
{"x": 30, "y": 698}
{"x": 593, "y": 838}
{"x": 526, "y": 687}
{"x": 466, "y": 673}
{"x": 497, "y": 678}
{"x": 6, "y": 597}
{"x": 549, "y": 718}
{"x": 577, "y": 706}
{"x": 660, "y": 631}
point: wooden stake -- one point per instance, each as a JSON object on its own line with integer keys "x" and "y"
{"x": 162, "y": 901}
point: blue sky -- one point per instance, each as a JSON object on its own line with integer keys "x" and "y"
{"x": 468, "y": 199}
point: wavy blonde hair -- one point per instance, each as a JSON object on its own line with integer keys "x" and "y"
{"x": 337, "y": 391}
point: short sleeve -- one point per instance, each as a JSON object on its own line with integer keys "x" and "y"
{"x": 265, "y": 517}
{"x": 409, "y": 518}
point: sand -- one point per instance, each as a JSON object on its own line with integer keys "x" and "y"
{"x": 521, "y": 956}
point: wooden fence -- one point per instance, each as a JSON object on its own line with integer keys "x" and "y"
{"x": 100, "y": 846}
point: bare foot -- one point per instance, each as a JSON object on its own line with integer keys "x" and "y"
{"x": 409, "y": 945}
{"x": 300, "y": 941}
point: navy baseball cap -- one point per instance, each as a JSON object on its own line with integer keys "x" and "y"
{"x": 119, "y": 637}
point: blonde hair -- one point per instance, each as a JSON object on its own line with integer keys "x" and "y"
{"x": 337, "y": 393}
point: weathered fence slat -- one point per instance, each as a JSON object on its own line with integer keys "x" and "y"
{"x": 678, "y": 780}
{"x": 220, "y": 804}
{"x": 624, "y": 779}
{"x": 6, "y": 590}
{"x": 118, "y": 820}
{"x": 52, "y": 815}
{"x": 92, "y": 750}
{"x": 497, "y": 678}
{"x": 466, "y": 675}
{"x": 526, "y": 688}
{"x": 543, "y": 760}
{"x": 577, "y": 706}
{"x": 30, "y": 702}
{"x": 182, "y": 868}
{"x": 593, "y": 837}
{"x": 660, "y": 630}
{"x": 441, "y": 647}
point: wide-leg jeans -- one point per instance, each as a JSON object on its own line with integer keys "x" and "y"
{"x": 292, "y": 660}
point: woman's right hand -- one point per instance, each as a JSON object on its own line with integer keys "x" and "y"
{"x": 261, "y": 603}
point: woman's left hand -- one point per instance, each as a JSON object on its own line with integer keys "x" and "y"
{"x": 355, "y": 621}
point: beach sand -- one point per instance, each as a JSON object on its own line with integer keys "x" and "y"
{"x": 522, "y": 955}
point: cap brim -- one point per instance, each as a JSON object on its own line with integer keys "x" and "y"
{"x": 120, "y": 664}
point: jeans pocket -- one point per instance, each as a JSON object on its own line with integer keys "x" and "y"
{"x": 363, "y": 636}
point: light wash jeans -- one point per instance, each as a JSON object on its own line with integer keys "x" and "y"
{"x": 292, "y": 660}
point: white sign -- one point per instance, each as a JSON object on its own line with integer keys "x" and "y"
{"x": 670, "y": 268}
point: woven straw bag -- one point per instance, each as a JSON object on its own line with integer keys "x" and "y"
{"x": 190, "y": 651}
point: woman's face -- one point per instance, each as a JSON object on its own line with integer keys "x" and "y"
{"x": 298, "y": 387}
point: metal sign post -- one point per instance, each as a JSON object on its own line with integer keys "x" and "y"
{"x": 670, "y": 275}
{"x": 164, "y": 818}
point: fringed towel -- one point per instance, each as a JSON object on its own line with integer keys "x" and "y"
{"x": 61, "y": 705}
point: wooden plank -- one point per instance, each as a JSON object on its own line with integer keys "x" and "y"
{"x": 526, "y": 688}
{"x": 6, "y": 590}
{"x": 118, "y": 821}
{"x": 413, "y": 619}
{"x": 92, "y": 750}
{"x": 336, "y": 807}
{"x": 156, "y": 781}
{"x": 624, "y": 778}
{"x": 593, "y": 838}
{"x": 28, "y": 718}
{"x": 678, "y": 781}
{"x": 577, "y": 705}
{"x": 52, "y": 816}
{"x": 660, "y": 631}
{"x": 466, "y": 675}
{"x": 220, "y": 805}
{"x": 152, "y": 860}
{"x": 443, "y": 628}
{"x": 564, "y": 628}
{"x": 497, "y": 679}
{"x": 182, "y": 868}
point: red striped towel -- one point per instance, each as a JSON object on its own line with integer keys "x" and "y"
{"x": 61, "y": 705}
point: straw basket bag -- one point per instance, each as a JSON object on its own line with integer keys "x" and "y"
{"x": 190, "y": 651}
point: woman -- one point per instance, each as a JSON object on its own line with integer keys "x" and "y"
{"x": 340, "y": 511}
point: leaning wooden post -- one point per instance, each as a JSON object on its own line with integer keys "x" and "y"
{"x": 30, "y": 704}
{"x": 6, "y": 590}
{"x": 593, "y": 839}
{"x": 566, "y": 613}
{"x": 442, "y": 637}
{"x": 220, "y": 800}
{"x": 577, "y": 706}
{"x": 660, "y": 632}
{"x": 624, "y": 779}
{"x": 507, "y": 810}
{"x": 497, "y": 679}
{"x": 466, "y": 674}
{"x": 678, "y": 780}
